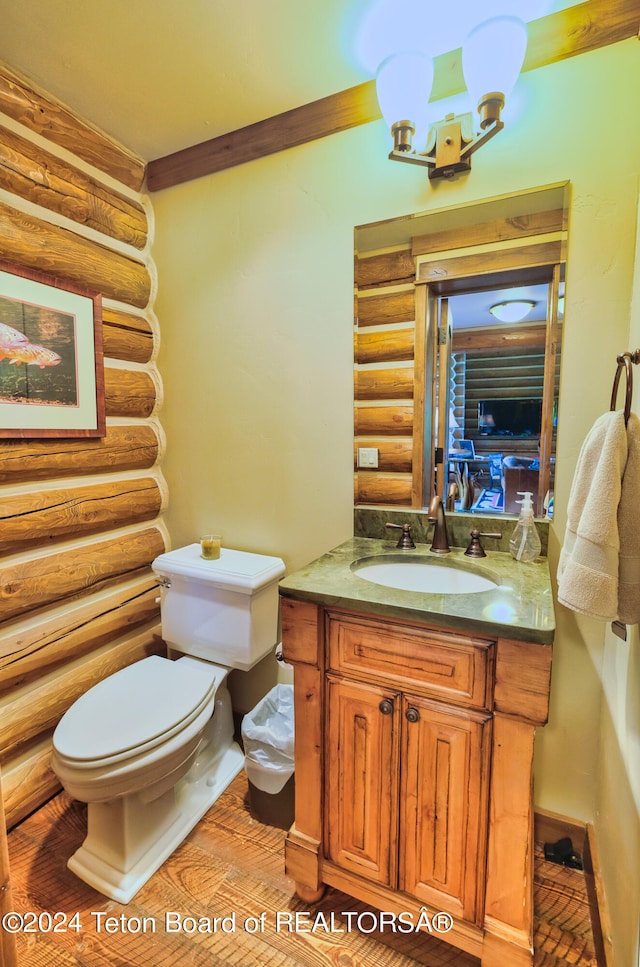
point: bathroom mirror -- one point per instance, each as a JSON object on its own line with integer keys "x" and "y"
{"x": 457, "y": 347}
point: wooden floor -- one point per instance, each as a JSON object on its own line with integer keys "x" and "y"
{"x": 231, "y": 867}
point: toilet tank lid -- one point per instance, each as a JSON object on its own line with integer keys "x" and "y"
{"x": 235, "y": 570}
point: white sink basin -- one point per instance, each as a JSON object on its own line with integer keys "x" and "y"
{"x": 421, "y": 574}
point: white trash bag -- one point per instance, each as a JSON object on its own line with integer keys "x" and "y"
{"x": 267, "y": 736}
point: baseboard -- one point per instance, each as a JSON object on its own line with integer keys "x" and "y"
{"x": 549, "y": 828}
{"x": 600, "y": 923}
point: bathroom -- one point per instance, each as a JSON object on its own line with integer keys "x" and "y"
{"x": 254, "y": 299}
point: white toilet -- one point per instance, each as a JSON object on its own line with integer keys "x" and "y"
{"x": 151, "y": 747}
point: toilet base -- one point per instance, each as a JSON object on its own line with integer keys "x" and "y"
{"x": 129, "y": 839}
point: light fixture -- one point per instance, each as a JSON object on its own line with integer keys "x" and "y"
{"x": 492, "y": 57}
{"x": 514, "y": 311}
{"x": 401, "y": 83}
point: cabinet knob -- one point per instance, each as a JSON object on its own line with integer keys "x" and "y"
{"x": 386, "y": 706}
{"x": 412, "y": 714}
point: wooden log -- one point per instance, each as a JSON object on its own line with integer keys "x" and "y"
{"x": 486, "y": 367}
{"x": 499, "y": 340}
{"x": 504, "y": 260}
{"x": 8, "y": 956}
{"x": 490, "y": 232}
{"x": 34, "y": 710}
{"x": 30, "y": 649}
{"x": 384, "y": 384}
{"x": 29, "y": 783}
{"x": 42, "y": 517}
{"x": 386, "y": 308}
{"x": 65, "y": 575}
{"x": 128, "y": 393}
{"x": 127, "y": 447}
{"x": 385, "y": 269}
{"x": 126, "y": 336}
{"x": 389, "y": 345}
{"x": 383, "y": 420}
{"x": 21, "y": 102}
{"x": 42, "y": 178}
{"x": 393, "y": 455}
{"x": 510, "y": 389}
{"x": 377, "y": 488}
{"x": 35, "y": 244}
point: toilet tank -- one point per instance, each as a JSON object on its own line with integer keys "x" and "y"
{"x": 224, "y": 611}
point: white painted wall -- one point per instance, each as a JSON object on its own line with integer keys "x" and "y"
{"x": 255, "y": 307}
{"x": 618, "y": 786}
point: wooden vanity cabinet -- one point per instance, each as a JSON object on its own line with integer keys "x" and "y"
{"x": 413, "y": 771}
{"x": 406, "y": 798}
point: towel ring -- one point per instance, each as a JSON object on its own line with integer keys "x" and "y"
{"x": 625, "y": 361}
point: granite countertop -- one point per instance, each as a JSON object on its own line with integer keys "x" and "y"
{"x": 520, "y": 607}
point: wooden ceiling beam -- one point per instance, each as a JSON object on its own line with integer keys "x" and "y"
{"x": 331, "y": 114}
{"x": 576, "y": 30}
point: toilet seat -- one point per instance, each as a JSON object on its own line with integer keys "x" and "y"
{"x": 134, "y": 710}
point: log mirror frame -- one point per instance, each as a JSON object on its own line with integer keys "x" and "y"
{"x": 410, "y": 273}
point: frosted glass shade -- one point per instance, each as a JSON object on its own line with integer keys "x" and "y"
{"x": 403, "y": 86}
{"x": 514, "y": 311}
{"x": 492, "y": 56}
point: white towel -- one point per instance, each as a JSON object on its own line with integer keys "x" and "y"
{"x": 629, "y": 530}
{"x": 589, "y": 560}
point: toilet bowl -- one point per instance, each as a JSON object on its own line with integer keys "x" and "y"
{"x": 151, "y": 748}
{"x": 135, "y": 728}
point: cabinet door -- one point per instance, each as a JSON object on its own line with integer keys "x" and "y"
{"x": 444, "y": 813}
{"x": 362, "y": 779}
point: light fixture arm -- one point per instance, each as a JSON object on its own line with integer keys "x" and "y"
{"x": 450, "y": 142}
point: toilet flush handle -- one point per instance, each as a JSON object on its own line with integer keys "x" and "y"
{"x": 163, "y": 581}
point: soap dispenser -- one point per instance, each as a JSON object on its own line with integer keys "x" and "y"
{"x": 525, "y": 543}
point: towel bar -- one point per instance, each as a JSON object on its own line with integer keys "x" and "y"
{"x": 625, "y": 361}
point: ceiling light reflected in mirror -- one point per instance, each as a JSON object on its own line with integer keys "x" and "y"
{"x": 513, "y": 311}
{"x": 471, "y": 310}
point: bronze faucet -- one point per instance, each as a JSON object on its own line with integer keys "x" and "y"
{"x": 440, "y": 544}
{"x": 406, "y": 540}
{"x": 475, "y": 548}
{"x": 452, "y": 493}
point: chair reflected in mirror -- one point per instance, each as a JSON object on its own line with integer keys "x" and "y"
{"x": 520, "y": 475}
{"x": 462, "y": 448}
{"x": 491, "y": 498}
{"x": 495, "y": 471}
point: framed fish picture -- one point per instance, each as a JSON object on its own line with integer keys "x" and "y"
{"x": 51, "y": 360}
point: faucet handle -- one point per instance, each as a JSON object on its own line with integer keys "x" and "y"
{"x": 406, "y": 540}
{"x": 475, "y": 548}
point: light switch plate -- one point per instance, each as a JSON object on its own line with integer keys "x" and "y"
{"x": 368, "y": 457}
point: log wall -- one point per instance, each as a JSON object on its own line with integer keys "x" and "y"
{"x": 80, "y": 519}
{"x": 384, "y": 344}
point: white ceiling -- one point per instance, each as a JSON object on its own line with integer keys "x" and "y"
{"x": 161, "y": 75}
